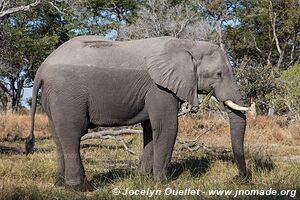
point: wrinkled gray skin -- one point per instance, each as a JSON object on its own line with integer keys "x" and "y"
{"x": 90, "y": 81}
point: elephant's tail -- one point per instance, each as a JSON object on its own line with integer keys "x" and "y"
{"x": 36, "y": 86}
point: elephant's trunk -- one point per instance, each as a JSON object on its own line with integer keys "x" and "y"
{"x": 237, "y": 121}
{"x": 237, "y": 130}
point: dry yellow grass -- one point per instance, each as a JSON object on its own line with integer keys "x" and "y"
{"x": 261, "y": 130}
{"x": 275, "y": 129}
{"x": 270, "y": 145}
{"x": 18, "y": 125}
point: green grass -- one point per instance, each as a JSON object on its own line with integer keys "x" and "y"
{"x": 109, "y": 166}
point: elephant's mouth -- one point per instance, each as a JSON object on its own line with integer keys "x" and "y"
{"x": 235, "y": 106}
{"x": 202, "y": 92}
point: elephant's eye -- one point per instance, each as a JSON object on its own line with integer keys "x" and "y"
{"x": 219, "y": 74}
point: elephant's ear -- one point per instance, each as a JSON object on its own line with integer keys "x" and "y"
{"x": 171, "y": 66}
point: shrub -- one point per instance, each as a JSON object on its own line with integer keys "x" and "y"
{"x": 290, "y": 83}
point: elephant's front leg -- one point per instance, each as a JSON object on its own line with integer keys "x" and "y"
{"x": 163, "y": 112}
{"x": 146, "y": 165}
{"x": 164, "y": 136}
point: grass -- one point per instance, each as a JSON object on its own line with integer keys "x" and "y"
{"x": 271, "y": 144}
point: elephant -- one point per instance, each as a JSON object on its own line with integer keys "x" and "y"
{"x": 90, "y": 81}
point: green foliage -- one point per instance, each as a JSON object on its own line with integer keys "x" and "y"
{"x": 290, "y": 80}
{"x": 257, "y": 81}
{"x": 251, "y": 40}
{"x": 27, "y": 38}
{"x": 103, "y": 17}
{"x": 251, "y": 35}
{"x": 176, "y": 18}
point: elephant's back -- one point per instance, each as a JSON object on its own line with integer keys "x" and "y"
{"x": 104, "y": 53}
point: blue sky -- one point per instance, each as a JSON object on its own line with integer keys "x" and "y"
{"x": 27, "y": 94}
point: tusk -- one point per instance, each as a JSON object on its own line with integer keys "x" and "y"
{"x": 234, "y": 106}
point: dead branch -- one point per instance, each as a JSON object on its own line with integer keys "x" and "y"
{"x": 109, "y": 134}
{"x": 124, "y": 145}
{"x": 8, "y": 11}
{"x": 184, "y": 113}
{"x": 18, "y": 9}
{"x": 55, "y": 7}
{"x": 272, "y": 17}
{"x": 255, "y": 43}
{"x": 220, "y": 34}
{"x": 127, "y": 149}
{"x": 200, "y": 135}
{"x": 194, "y": 145}
{"x": 186, "y": 108}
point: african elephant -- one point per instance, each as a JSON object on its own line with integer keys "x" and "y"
{"x": 90, "y": 81}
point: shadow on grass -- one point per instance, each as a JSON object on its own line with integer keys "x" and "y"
{"x": 17, "y": 138}
{"x": 21, "y": 150}
{"x": 196, "y": 166}
{"x": 259, "y": 161}
{"x": 10, "y": 150}
{"x": 110, "y": 177}
{"x": 199, "y": 166}
{"x": 17, "y": 151}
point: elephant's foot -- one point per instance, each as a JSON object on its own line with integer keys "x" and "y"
{"x": 145, "y": 169}
{"x": 243, "y": 179}
{"x": 84, "y": 186}
{"x": 59, "y": 181}
{"x": 161, "y": 178}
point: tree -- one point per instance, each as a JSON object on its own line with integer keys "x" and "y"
{"x": 266, "y": 32}
{"x": 9, "y": 7}
{"x": 24, "y": 44}
{"x": 179, "y": 19}
{"x": 257, "y": 83}
{"x": 27, "y": 38}
{"x": 266, "y": 35}
{"x": 21, "y": 53}
{"x": 290, "y": 93}
{"x": 99, "y": 17}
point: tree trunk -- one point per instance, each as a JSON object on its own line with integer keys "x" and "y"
{"x": 220, "y": 34}
{"x": 271, "y": 108}
{"x": 271, "y": 112}
{"x": 13, "y": 103}
{"x": 252, "y": 111}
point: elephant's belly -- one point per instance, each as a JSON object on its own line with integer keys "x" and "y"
{"x": 117, "y": 117}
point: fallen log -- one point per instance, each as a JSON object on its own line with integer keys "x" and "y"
{"x": 110, "y": 134}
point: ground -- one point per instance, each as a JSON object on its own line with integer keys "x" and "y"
{"x": 272, "y": 154}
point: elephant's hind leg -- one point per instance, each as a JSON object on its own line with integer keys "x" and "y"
{"x": 74, "y": 172}
{"x": 146, "y": 165}
{"x": 60, "y": 163}
{"x": 70, "y": 123}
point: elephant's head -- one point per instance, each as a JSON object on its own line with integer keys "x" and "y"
{"x": 188, "y": 68}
